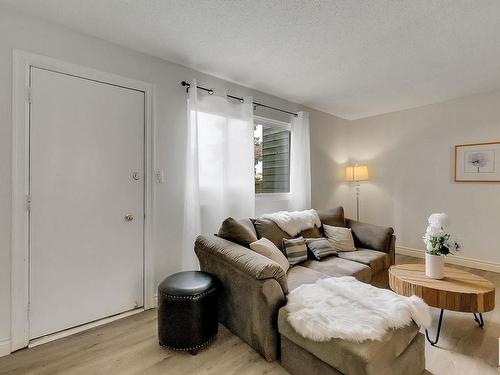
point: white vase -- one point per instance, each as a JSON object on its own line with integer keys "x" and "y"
{"x": 434, "y": 266}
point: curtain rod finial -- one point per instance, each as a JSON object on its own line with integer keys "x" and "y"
{"x": 184, "y": 83}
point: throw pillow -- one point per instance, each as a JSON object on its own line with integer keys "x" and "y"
{"x": 295, "y": 250}
{"x": 249, "y": 224}
{"x": 334, "y": 216}
{"x": 269, "y": 229}
{"x": 269, "y": 250}
{"x": 234, "y": 231}
{"x": 340, "y": 237}
{"x": 320, "y": 247}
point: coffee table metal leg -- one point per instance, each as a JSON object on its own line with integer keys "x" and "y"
{"x": 479, "y": 320}
{"x": 434, "y": 342}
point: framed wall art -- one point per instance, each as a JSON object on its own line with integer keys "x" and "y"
{"x": 477, "y": 162}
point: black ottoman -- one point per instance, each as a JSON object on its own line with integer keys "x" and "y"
{"x": 187, "y": 310}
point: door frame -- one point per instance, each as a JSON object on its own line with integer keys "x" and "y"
{"x": 21, "y": 97}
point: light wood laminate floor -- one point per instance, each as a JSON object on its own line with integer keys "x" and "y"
{"x": 130, "y": 346}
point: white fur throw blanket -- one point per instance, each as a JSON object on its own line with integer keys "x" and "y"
{"x": 296, "y": 221}
{"x": 345, "y": 308}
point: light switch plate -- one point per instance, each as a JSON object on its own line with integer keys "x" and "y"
{"x": 159, "y": 176}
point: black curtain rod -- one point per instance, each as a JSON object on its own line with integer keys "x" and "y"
{"x": 256, "y": 104}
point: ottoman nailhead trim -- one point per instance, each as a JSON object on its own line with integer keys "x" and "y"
{"x": 191, "y": 348}
{"x": 196, "y": 296}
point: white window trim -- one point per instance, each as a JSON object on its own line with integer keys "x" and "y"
{"x": 273, "y": 196}
{"x": 287, "y": 126}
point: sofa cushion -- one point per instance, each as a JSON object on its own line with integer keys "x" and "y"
{"x": 376, "y": 260}
{"x": 269, "y": 250}
{"x": 269, "y": 229}
{"x": 299, "y": 275}
{"x": 333, "y": 216}
{"x": 348, "y": 357}
{"x": 234, "y": 231}
{"x": 320, "y": 247}
{"x": 370, "y": 236}
{"x": 295, "y": 250}
{"x": 335, "y": 266}
{"x": 314, "y": 232}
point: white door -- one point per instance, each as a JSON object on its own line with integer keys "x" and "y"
{"x": 87, "y": 201}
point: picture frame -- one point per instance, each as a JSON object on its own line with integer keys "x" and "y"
{"x": 477, "y": 162}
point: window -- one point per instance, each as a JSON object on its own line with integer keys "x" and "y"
{"x": 272, "y": 156}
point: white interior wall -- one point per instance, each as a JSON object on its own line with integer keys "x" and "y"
{"x": 34, "y": 35}
{"x": 410, "y": 155}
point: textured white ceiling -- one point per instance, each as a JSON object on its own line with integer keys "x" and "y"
{"x": 351, "y": 58}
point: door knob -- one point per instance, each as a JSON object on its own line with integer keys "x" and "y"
{"x": 129, "y": 217}
{"x": 136, "y": 176}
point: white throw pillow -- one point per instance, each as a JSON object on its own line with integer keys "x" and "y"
{"x": 269, "y": 250}
{"x": 339, "y": 237}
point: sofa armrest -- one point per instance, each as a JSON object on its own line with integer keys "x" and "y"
{"x": 372, "y": 236}
{"x": 252, "y": 291}
{"x": 241, "y": 258}
{"x": 392, "y": 249}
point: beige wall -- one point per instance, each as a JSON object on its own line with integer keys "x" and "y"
{"x": 410, "y": 156}
{"x": 33, "y": 35}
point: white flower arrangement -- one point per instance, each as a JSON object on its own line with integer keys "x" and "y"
{"x": 436, "y": 239}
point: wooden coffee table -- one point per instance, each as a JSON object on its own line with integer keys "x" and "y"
{"x": 459, "y": 291}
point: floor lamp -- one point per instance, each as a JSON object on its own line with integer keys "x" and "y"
{"x": 356, "y": 173}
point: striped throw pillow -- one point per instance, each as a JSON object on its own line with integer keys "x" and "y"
{"x": 320, "y": 247}
{"x": 295, "y": 250}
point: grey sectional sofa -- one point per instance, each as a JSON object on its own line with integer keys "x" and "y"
{"x": 255, "y": 287}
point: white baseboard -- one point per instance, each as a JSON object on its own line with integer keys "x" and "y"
{"x": 4, "y": 347}
{"x": 453, "y": 259}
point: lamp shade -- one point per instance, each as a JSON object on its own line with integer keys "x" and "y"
{"x": 356, "y": 173}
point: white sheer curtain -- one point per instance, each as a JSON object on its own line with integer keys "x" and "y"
{"x": 300, "y": 163}
{"x": 192, "y": 219}
{"x": 220, "y": 165}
